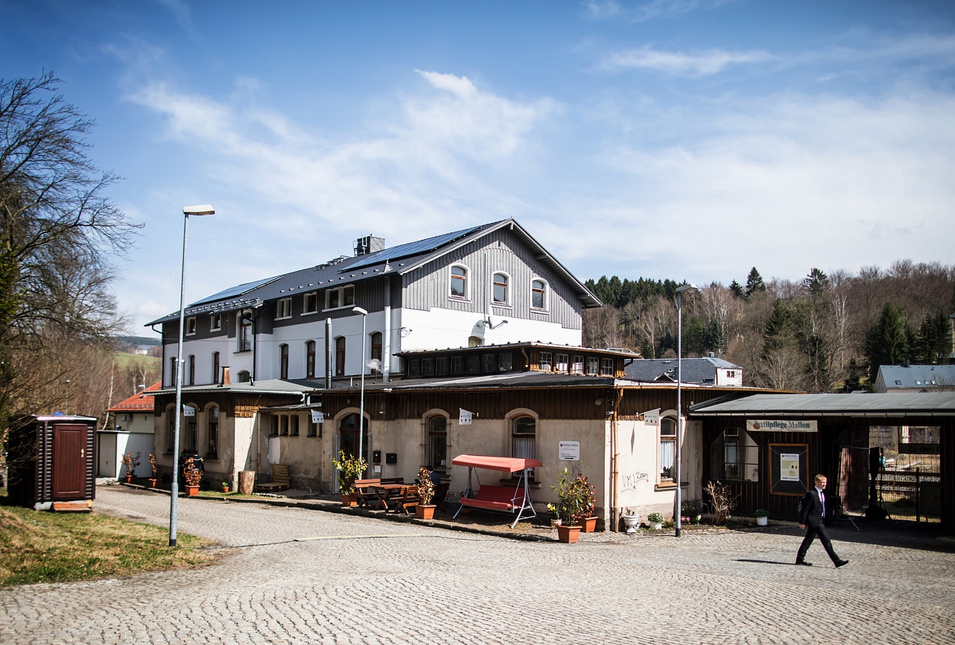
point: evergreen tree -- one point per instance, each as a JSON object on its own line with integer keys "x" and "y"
{"x": 933, "y": 342}
{"x": 887, "y": 343}
{"x": 754, "y": 282}
{"x": 737, "y": 290}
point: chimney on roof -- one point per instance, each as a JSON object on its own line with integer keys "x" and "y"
{"x": 368, "y": 245}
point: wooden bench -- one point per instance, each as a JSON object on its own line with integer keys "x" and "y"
{"x": 365, "y": 489}
{"x": 408, "y": 499}
{"x": 280, "y": 480}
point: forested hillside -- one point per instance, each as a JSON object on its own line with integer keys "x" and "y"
{"x": 825, "y": 333}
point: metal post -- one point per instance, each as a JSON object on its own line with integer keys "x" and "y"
{"x": 174, "y": 488}
{"x": 678, "y": 513}
{"x": 361, "y": 404}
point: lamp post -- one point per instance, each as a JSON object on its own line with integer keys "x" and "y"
{"x": 678, "y": 514}
{"x": 204, "y": 209}
{"x": 361, "y": 400}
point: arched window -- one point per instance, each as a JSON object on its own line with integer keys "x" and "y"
{"x": 170, "y": 429}
{"x": 190, "y": 431}
{"x": 667, "y": 449}
{"x": 245, "y": 333}
{"x": 348, "y": 427}
{"x": 538, "y": 294}
{"x": 499, "y": 294}
{"x": 212, "y": 432}
{"x": 310, "y": 359}
{"x": 244, "y": 376}
{"x": 192, "y": 369}
{"x": 437, "y": 456}
{"x": 376, "y": 347}
{"x": 459, "y": 281}
{"x": 283, "y": 361}
{"x": 524, "y": 438}
{"x": 215, "y": 367}
{"x": 340, "y": 356}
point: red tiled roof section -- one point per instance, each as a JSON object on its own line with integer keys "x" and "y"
{"x": 138, "y": 402}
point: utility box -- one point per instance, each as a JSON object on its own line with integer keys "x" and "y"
{"x": 51, "y": 463}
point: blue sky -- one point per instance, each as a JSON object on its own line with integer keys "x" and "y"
{"x": 681, "y": 139}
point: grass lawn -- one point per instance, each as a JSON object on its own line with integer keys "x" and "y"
{"x": 40, "y": 546}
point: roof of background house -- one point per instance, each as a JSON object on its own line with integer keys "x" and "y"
{"x": 830, "y": 405}
{"x": 344, "y": 270}
{"x": 140, "y": 402}
{"x": 695, "y": 370}
{"x": 917, "y": 377}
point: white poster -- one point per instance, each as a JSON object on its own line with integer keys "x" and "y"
{"x": 464, "y": 417}
{"x": 789, "y": 467}
{"x": 569, "y": 450}
{"x": 318, "y": 416}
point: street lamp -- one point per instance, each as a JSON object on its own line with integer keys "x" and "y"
{"x": 198, "y": 211}
{"x": 361, "y": 404}
{"x": 679, "y": 402}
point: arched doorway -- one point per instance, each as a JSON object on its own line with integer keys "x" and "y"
{"x": 348, "y": 429}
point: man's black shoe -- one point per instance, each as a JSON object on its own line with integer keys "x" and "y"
{"x": 841, "y": 563}
{"x": 808, "y": 564}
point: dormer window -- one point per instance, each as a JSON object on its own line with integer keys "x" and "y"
{"x": 283, "y": 309}
{"x": 191, "y": 326}
{"x": 340, "y": 297}
{"x": 215, "y": 322}
{"x": 310, "y": 303}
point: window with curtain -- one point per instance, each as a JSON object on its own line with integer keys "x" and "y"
{"x": 667, "y": 449}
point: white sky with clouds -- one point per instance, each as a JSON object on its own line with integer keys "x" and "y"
{"x": 681, "y": 139}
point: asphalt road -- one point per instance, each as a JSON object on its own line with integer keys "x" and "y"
{"x": 298, "y": 575}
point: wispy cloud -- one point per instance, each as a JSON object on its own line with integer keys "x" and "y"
{"x": 649, "y": 9}
{"x": 705, "y": 63}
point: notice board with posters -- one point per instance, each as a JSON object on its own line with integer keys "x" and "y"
{"x": 789, "y": 468}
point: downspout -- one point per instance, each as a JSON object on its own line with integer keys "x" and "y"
{"x": 328, "y": 353}
{"x": 615, "y": 496}
{"x": 386, "y": 350}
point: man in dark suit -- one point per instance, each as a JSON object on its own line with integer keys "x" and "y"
{"x": 812, "y": 515}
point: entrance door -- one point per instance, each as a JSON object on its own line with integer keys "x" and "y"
{"x": 69, "y": 461}
{"x": 349, "y": 435}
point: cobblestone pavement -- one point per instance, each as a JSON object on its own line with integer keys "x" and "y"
{"x": 297, "y": 575}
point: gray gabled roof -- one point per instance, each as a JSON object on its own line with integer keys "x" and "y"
{"x": 400, "y": 259}
{"x": 917, "y": 377}
{"x": 695, "y": 370}
{"x": 831, "y": 405}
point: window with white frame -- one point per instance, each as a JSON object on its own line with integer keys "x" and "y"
{"x": 310, "y": 303}
{"x": 524, "y": 439}
{"x": 562, "y": 362}
{"x": 593, "y": 365}
{"x": 283, "y": 308}
{"x": 245, "y": 334}
{"x": 215, "y": 322}
{"x": 340, "y": 297}
{"x": 667, "y": 450}
{"x": 606, "y": 367}
{"x": 577, "y": 367}
{"x": 539, "y": 294}
{"x": 499, "y": 291}
{"x": 437, "y": 455}
{"x": 190, "y": 326}
{"x": 545, "y": 361}
{"x": 459, "y": 281}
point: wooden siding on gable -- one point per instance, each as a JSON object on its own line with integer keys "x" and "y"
{"x": 500, "y": 251}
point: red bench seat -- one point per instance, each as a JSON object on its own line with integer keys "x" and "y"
{"x": 495, "y": 498}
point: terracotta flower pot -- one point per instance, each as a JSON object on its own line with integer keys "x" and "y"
{"x": 153, "y": 482}
{"x": 424, "y": 511}
{"x": 192, "y": 491}
{"x": 588, "y": 524}
{"x": 568, "y": 534}
{"x": 349, "y": 499}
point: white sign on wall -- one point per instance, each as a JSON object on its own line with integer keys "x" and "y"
{"x": 797, "y": 425}
{"x": 188, "y": 411}
{"x": 318, "y": 416}
{"x": 569, "y": 450}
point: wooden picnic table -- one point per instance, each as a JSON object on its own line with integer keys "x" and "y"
{"x": 387, "y": 493}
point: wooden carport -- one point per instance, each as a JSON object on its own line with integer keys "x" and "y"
{"x": 820, "y": 433}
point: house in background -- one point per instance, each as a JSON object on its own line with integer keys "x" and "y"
{"x": 708, "y": 370}
{"x": 276, "y": 341}
{"x": 132, "y": 430}
{"x": 915, "y": 378}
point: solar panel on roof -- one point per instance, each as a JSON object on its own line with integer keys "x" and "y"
{"x": 411, "y": 248}
{"x": 232, "y": 292}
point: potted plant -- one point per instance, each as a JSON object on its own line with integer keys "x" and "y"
{"x": 630, "y": 519}
{"x": 656, "y": 520}
{"x": 152, "y": 464}
{"x": 573, "y": 498}
{"x": 131, "y": 463}
{"x": 425, "y": 509}
{"x": 192, "y": 477}
{"x": 555, "y": 521}
{"x": 762, "y": 517}
{"x": 587, "y": 520}
{"x": 225, "y": 487}
{"x": 349, "y": 469}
